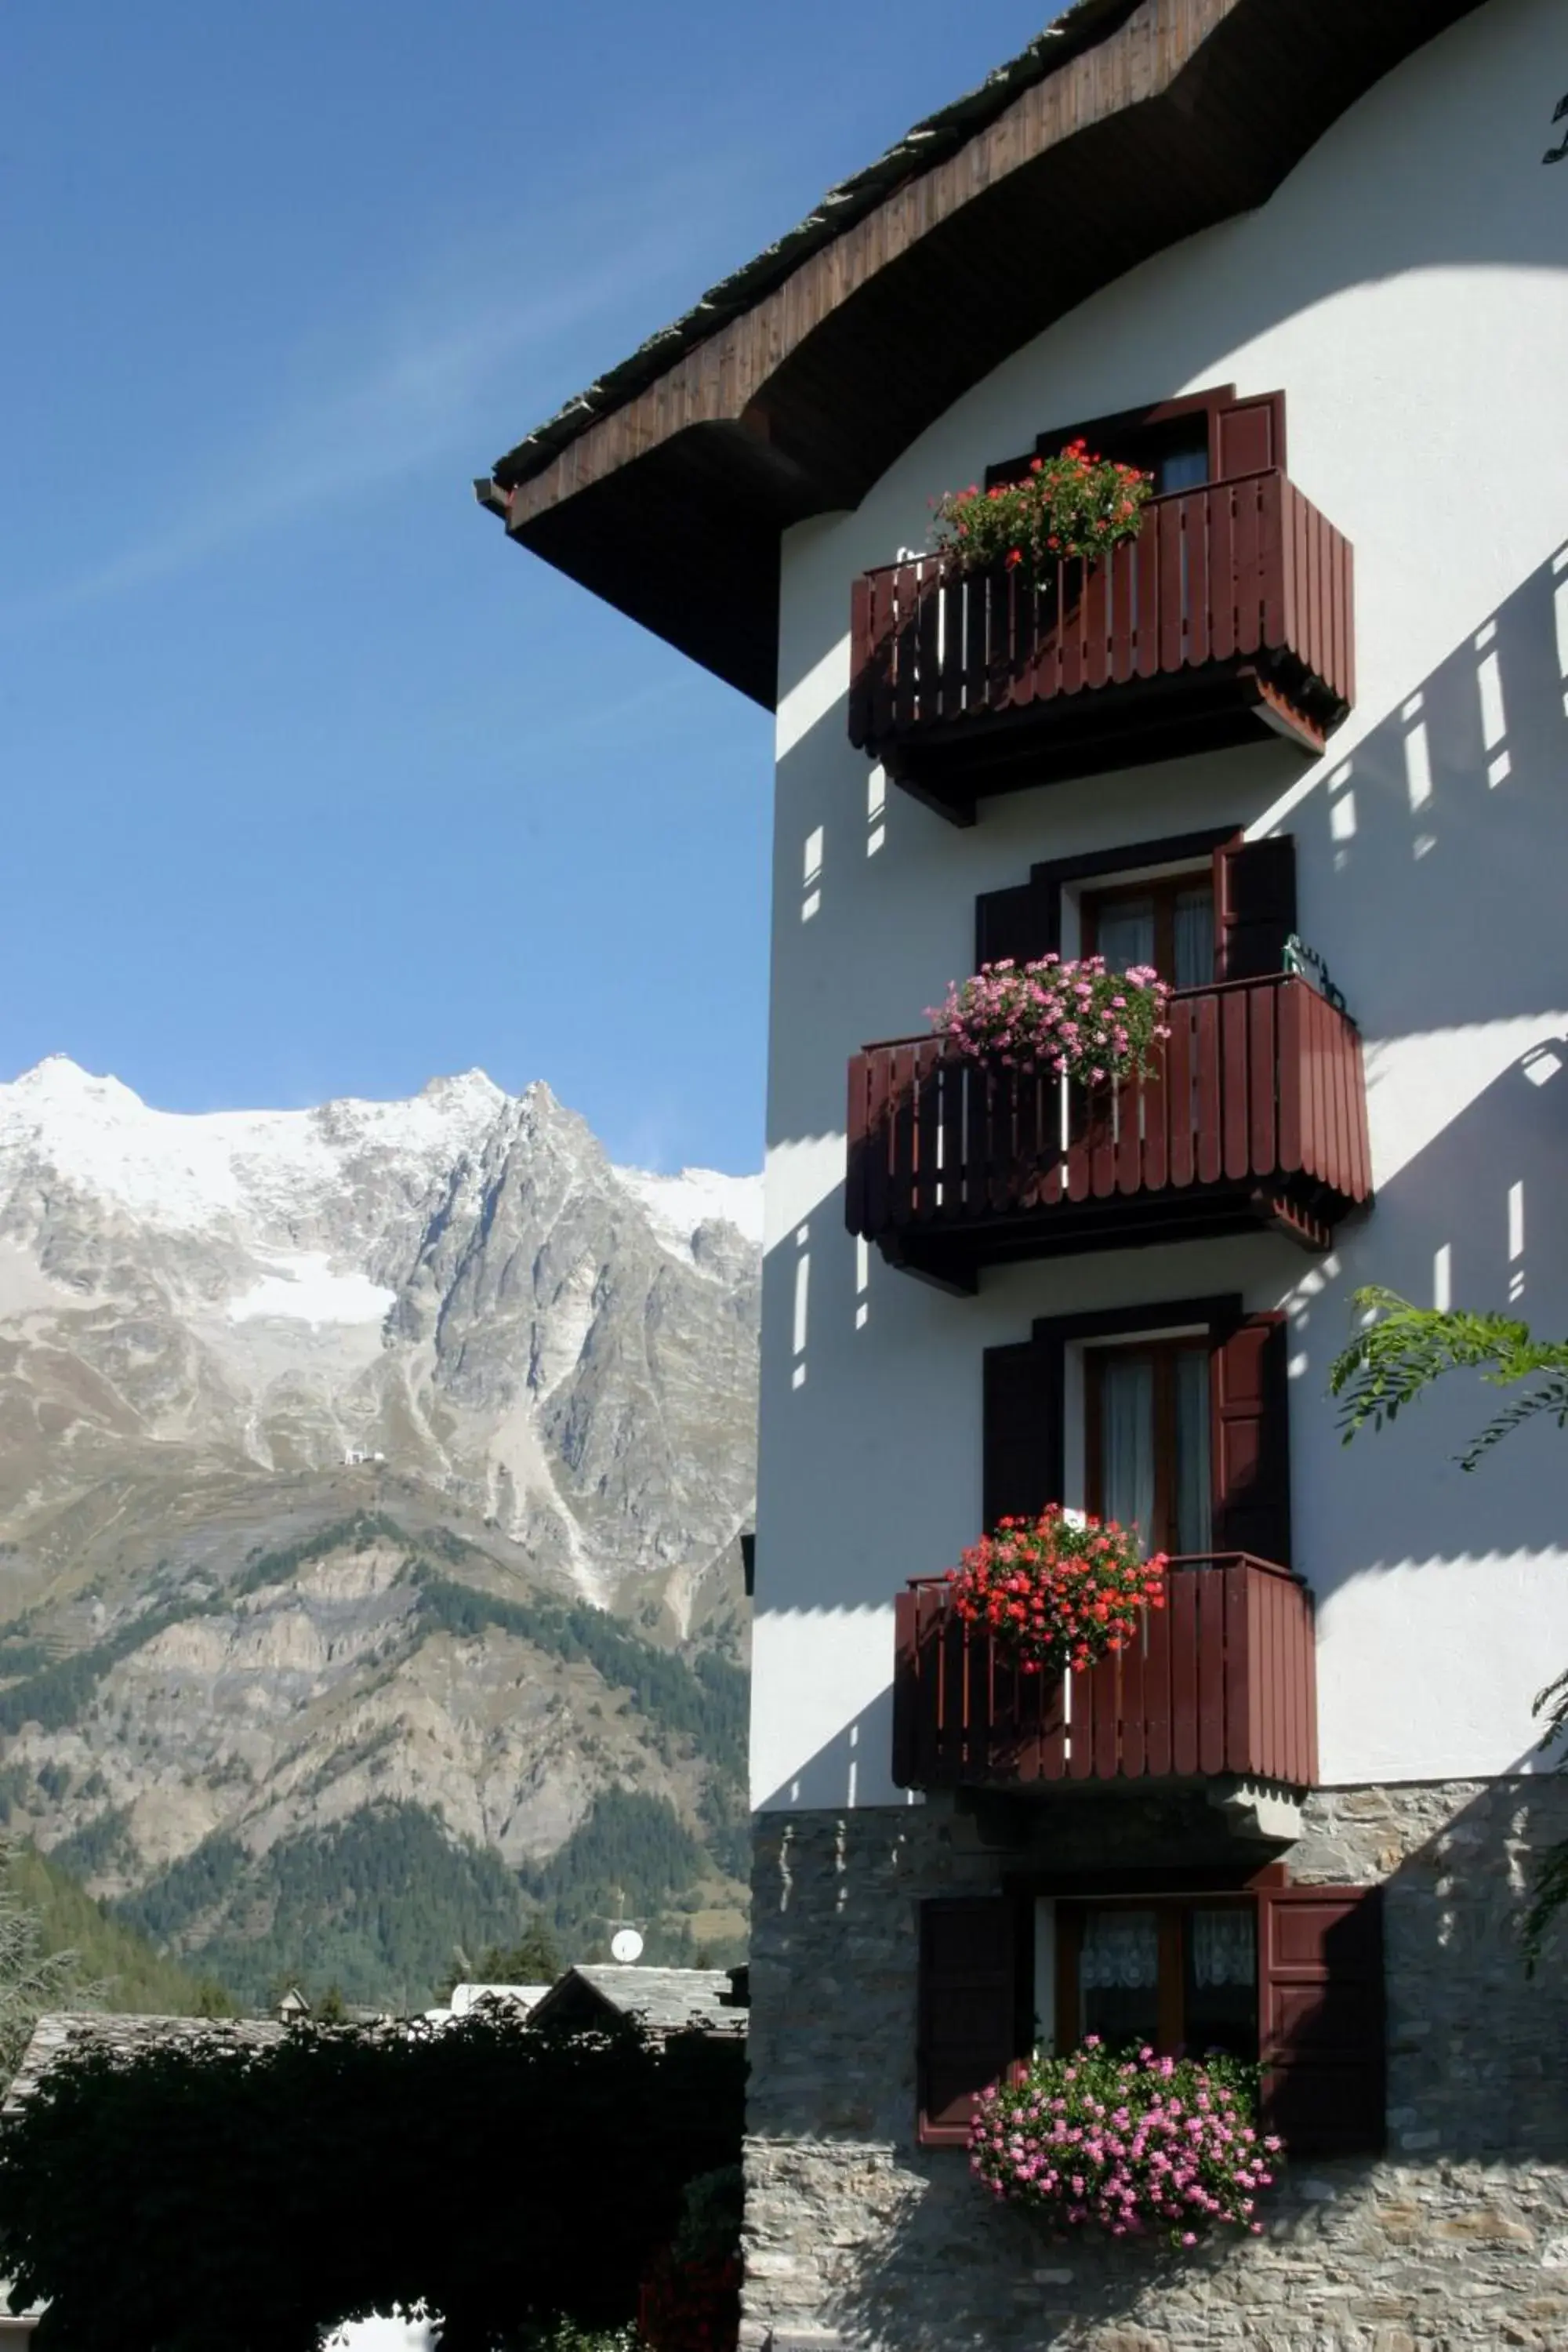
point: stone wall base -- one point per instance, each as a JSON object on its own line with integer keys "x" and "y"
{"x": 850, "y": 2246}
{"x": 1456, "y": 2241}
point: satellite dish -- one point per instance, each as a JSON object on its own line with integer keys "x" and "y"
{"x": 626, "y": 1946}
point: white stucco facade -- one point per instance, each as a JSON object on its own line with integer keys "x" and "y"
{"x": 1407, "y": 287}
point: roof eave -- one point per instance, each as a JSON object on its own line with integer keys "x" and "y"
{"x": 664, "y": 489}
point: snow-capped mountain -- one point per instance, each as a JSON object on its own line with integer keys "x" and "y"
{"x": 220, "y": 1331}
{"x": 459, "y": 1283}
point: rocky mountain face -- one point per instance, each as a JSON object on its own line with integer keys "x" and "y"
{"x": 368, "y": 1473}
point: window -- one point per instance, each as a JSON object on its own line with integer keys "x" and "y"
{"x": 1244, "y": 889}
{"x": 1292, "y": 1976}
{"x": 1167, "y": 923}
{"x": 1025, "y": 1422}
{"x": 1182, "y": 1976}
{"x": 1203, "y": 437}
{"x": 1176, "y": 452}
{"x": 1148, "y": 1456}
{"x": 1181, "y": 465}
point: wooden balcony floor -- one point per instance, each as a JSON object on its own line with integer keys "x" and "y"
{"x": 1228, "y": 618}
{"x": 1254, "y": 1114}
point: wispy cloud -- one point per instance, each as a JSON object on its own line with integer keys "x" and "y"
{"x": 655, "y": 1139}
{"x": 421, "y": 383}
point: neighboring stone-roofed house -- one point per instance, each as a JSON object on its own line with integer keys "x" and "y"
{"x": 668, "y": 2001}
{"x": 522, "y": 1999}
{"x": 128, "y": 2037}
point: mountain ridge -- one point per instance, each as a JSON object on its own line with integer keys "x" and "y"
{"x": 227, "y": 1335}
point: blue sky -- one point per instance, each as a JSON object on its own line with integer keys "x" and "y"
{"x": 314, "y": 785}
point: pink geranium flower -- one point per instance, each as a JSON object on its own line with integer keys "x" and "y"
{"x": 1176, "y": 2158}
{"x": 1078, "y": 1020}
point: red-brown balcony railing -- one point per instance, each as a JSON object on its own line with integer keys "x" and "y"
{"x": 1222, "y": 1681}
{"x": 1231, "y": 615}
{"x": 1253, "y": 1113}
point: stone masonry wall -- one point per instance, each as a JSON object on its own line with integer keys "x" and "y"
{"x": 1456, "y": 2241}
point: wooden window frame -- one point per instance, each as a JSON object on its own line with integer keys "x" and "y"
{"x": 1171, "y": 1912}
{"x": 1321, "y": 2007}
{"x": 1005, "y": 1922}
{"x": 1163, "y": 889}
{"x": 1216, "y": 1315}
{"x": 1161, "y": 1535}
{"x": 1050, "y": 880}
{"x": 1254, "y": 897}
{"x": 1138, "y": 435}
{"x": 1024, "y": 1414}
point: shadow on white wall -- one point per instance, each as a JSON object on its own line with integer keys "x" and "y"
{"x": 1431, "y": 879}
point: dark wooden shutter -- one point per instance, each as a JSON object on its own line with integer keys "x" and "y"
{"x": 1252, "y": 1440}
{"x": 1320, "y": 2015}
{"x": 1254, "y": 906}
{"x": 1249, "y": 436}
{"x": 967, "y": 2010}
{"x": 1025, "y": 923}
{"x": 1021, "y": 1430}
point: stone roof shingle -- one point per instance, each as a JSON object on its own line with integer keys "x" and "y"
{"x": 63, "y": 2030}
{"x": 668, "y": 2001}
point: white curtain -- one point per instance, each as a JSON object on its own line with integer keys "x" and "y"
{"x": 1127, "y": 1439}
{"x": 1120, "y": 1951}
{"x": 1223, "y": 1947}
{"x": 1194, "y": 1523}
{"x": 1126, "y": 933}
{"x": 1195, "y": 939}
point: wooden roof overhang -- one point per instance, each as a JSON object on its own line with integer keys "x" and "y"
{"x": 1128, "y": 125}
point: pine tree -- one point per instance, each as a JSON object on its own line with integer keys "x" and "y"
{"x": 31, "y": 1978}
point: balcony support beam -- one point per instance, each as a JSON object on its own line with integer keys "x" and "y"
{"x": 1259, "y": 1810}
{"x": 958, "y": 1281}
{"x": 950, "y": 801}
{"x": 1299, "y": 1226}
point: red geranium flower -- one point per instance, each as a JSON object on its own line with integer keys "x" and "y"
{"x": 1075, "y": 503}
{"x": 1085, "y": 1589}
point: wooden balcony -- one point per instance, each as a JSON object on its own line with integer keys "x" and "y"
{"x": 1229, "y": 617}
{"x": 1223, "y": 1683}
{"x": 1254, "y": 1114}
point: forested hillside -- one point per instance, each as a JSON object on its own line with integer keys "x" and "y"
{"x": 116, "y": 1967}
{"x": 377, "y": 1898}
{"x": 370, "y": 1482}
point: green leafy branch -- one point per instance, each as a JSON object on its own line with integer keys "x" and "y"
{"x": 1395, "y": 1357}
{"x": 1549, "y": 1888}
{"x": 1404, "y": 1350}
